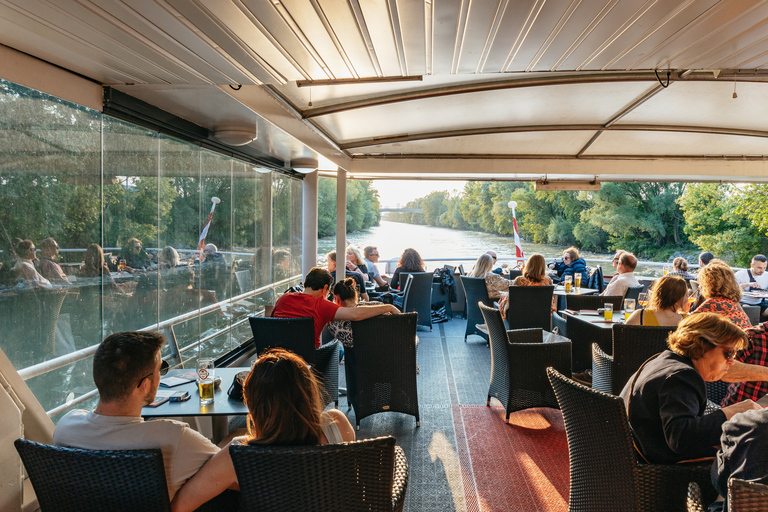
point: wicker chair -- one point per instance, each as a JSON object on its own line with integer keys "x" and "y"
{"x": 694, "y": 501}
{"x": 605, "y": 474}
{"x": 530, "y": 307}
{"x": 746, "y": 496}
{"x": 385, "y": 366}
{"x": 367, "y": 475}
{"x": 632, "y": 345}
{"x": 519, "y": 361}
{"x": 633, "y": 292}
{"x": 418, "y": 297}
{"x": 475, "y": 291}
{"x": 753, "y": 312}
{"x": 560, "y": 323}
{"x": 73, "y": 480}
{"x": 579, "y": 302}
{"x": 582, "y": 335}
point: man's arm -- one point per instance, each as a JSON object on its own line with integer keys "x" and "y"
{"x": 743, "y": 372}
{"x": 363, "y": 312}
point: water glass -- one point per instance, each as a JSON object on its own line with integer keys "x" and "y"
{"x": 629, "y": 308}
{"x": 608, "y": 311}
{"x": 205, "y": 376}
{"x": 577, "y": 280}
{"x": 567, "y": 283}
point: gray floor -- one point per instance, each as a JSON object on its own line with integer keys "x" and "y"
{"x": 452, "y": 372}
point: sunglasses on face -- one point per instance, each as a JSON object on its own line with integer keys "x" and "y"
{"x": 163, "y": 370}
{"x": 729, "y": 353}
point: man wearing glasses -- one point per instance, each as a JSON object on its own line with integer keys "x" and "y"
{"x": 497, "y": 270}
{"x": 371, "y": 254}
{"x": 126, "y": 369}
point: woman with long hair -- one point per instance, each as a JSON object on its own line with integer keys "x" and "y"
{"x": 494, "y": 283}
{"x": 669, "y": 298}
{"x": 534, "y": 274}
{"x": 721, "y": 293}
{"x": 284, "y": 408}
{"x": 356, "y": 258}
{"x": 410, "y": 261}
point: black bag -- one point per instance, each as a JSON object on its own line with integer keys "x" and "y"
{"x": 235, "y": 391}
{"x": 439, "y": 313}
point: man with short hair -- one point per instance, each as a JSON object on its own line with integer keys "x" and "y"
{"x": 705, "y": 258}
{"x": 625, "y": 277}
{"x": 126, "y": 370}
{"x": 51, "y": 270}
{"x": 312, "y": 303}
{"x": 497, "y": 270}
{"x": 755, "y": 279}
{"x": 371, "y": 254}
{"x": 348, "y": 272}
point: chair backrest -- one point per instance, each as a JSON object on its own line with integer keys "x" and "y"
{"x": 753, "y": 312}
{"x": 514, "y": 273}
{"x": 497, "y": 338}
{"x": 746, "y": 496}
{"x": 595, "y": 279}
{"x": 461, "y": 270}
{"x": 475, "y": 291}
{"x": 74, "y": 480}
{"x": 602, "y": 459}
{"x": 579, "y": 302}
{"x": 341, "y": 477}
{"x": 632, "y": 346}
{"x": 294, "y": 334}
{"x": 244, "y": 280}
{"x": 561, "y": 324}
{"x": 418, "y": 297}
{"x": 530, "y": 307}
{"x": 633, "y": 292}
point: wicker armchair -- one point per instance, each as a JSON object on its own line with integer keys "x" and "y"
{"x": 633, "y": 292}
{"x": 694, "y": 501}
{"x": 72, "y": 480}
{"x": 519, "y": 361}
{"x": 530, "y": 307}
{"x": 583, "y": 335}
{"x": 746, "y": 496}
{"x": 753, "y": 313}
{"x": 605, "y": 474}
{"x": 632, "y": 345}
{"x": 367, "y": 475}
{"x": 385, "y": 366}
{"x": 579, "y": 302}
{"x": 475, "y": 291}
{"x": 560, "y": 323}
{"x": 418, "y": 297}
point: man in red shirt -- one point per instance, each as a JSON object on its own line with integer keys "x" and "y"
{"x": 312, "y": 303}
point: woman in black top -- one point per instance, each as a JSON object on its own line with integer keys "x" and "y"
{"x": 410, "y": 261}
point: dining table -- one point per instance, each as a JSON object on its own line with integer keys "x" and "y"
{"x": 585, "y": 327}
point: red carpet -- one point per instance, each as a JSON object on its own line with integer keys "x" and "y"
{"x": 522, "y": 465}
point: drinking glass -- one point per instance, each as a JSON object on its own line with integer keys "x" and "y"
{"x": 577, "y": 280}
{"x": 667, "y": 269}
{"x": 629, "y": 308}
{"x": 642, "y": 299}
{"x": 567, "y": 283}
{"x": 608, "y": 311}
{"x": 121, "y": 265}
{"x": 205, "y": 376}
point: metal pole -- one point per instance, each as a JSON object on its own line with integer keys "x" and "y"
{"x": 309, "y": 222}
{"x": 341, "y": 223}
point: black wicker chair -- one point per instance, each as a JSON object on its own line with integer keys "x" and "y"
{"x": 695, "y": 502}
{"x": 753, "y": 312}
{"x": 475, "y": 291}
{"x": 530, "y": 307}
{"x": 513, "y": 274}
{"x": 519, "y": 361}
{"x": 605, "y": 474}
{"x": 583, "y": 335}
{"x": 632, "y": 345}
{"x": 385, "y": 366}
{"x": 418, "y": 297}
{"x": 746, "y": 496}
{"x": 579, "y": 302}
{"x": 633, "y": 292}
{"x": 560, "y": 323}
{"x": 73, "y": 480}
{"x": 367, "y": 475}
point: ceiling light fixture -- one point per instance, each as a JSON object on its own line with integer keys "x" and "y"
{"x": 566, "y": 185}
{"x": 236, "y": 135}
{"x": 304, "y": 165}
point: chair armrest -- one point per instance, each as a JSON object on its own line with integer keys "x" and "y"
{"x": 695, "y": 502}
{"x": 400, "y": 482}
{"x": 602, "y": 371}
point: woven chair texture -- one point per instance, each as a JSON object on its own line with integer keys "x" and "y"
{"x": 746, "y": 496}
{"x": 369, "y": 475}
{"x": 633, "y": 292}
{"x": 418, "y": 297}
{"x": 579, "y": 302}
{"x": 605, "y": 474}
{"x": 384, "y": 367}
{"x": 632, "y": 346}
{"x": 753, "y": 312}
{"x": 582, "y": 335}
{"x": 530, "y": 307}
{"x": 561, "y": 324}
{"x": 475, "y": 291}
{"x": 716, "y": 391}
{"x": 73, "y": 480}
{"x": 519, "y": 360}
{"x": 694, "y": 501}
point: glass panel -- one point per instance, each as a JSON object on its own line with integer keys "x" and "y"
{"x": 281, "y": 231}
{"x": 297, "y": 207}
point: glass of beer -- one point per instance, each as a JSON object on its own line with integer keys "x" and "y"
{"x": 667, "y": 269}
{"x": 577, "y": 280}
{"x": 629, "y": 308}
{"x": 121, "y": 265}
{"x": 608, "y": 311}
{"x": 567, "y": 283}
{"x": 205, "y": 376}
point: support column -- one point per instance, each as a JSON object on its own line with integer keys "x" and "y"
{"x": 309, "y": 222}
{"x": 341, "y": 223}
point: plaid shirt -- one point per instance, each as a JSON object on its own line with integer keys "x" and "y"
{"x": 755, "y": 353}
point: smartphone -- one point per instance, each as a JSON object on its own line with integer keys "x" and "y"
{"x": 159, "y": 401}
{"x": 180, "y": 396}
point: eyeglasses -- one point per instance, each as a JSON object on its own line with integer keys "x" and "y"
{"x": 163, "y": 370}
{"x": 729, "y": 354}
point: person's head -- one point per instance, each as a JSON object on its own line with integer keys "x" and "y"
{"x": 535, "y": 268}
{"x": 627, "y": 263}
{"x": 49, "y": 248}
{"x": 317, "y": 279}
{"x": 331, "y": 259}
{"x": 717, "y": 280}
{"x": 705, "y": 258}
{"x": 133, "y": 245}
{"x": 283, "y": 400}
{"x": 169, "y": 257}
{"x": 355, "y": 256}
{"x": 210, "y": 249}
{"x": 26, "y": 249}
{"x": 710, "y": 341}
{"x": 410, "y": 260}
{"x": 345, "y": 292}
{"x": 282, "y": 259}
{"x": 759, "y": 262}
{"x": 126, "y": 361}
{"x": 680, "y": 264}
{"x": 371, "y": 253}
{"x": 483, "y": 265}
{"x": 570, "y": 255}
{"x": 670, "y": 293}
{"x": 492, "y": 254}
{"x": 94, "y": 257}
{"x": 616, "y": 257}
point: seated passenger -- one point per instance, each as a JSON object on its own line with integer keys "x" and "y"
{"x": 350, "y": 271}
{"x": 136, "y": 258}
{"x": 721, "y": 293}
{"x": 666, "y": 399}
{"x": 410, "y": 261}
{"x": 355, "y": 257}
{"x": 371, "y": 258}
{"x": 126, "y": 370}
{"x": 25, "y": 266}
{"x": 284, "y": 408}
{"x": 680, "y": 268}
{"x": 571, "y": 264}
{"x": 669, "y": 298}
{"x": 49, "y": 268}
{"x": 494, "y": 283}
{"x": 625, "y": 276}
{"x": 534, "y": 274}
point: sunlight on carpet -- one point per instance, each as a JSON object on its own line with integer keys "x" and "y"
{"x": 522, "y": 465}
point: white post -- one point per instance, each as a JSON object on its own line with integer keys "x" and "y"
{"x": 341, "y": 223}
{"x": 309, "y": 222}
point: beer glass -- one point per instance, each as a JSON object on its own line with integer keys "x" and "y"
{"x": 629, "y": 308}
{"x": 205, "y": 376}
{"x": 121, "y": 265}
{"x": 608, "y": 311}
{"x": 667, "y": 269}
{"x": 567, "y": 283}
{"x": 577, "y": 280}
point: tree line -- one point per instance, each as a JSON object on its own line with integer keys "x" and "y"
{"x": 652, "y": 220}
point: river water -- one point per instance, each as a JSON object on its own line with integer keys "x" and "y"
{"x": 392, "y": 238}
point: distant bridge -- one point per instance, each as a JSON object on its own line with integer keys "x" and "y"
{"x": 414, "y": 210}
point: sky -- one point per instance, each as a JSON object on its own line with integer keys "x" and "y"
{"x": 394, "y": 192}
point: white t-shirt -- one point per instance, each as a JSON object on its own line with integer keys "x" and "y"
{"x": 743, "y": 277}
{"x": 619, "y": 285}
{"x": 184, "y": 450}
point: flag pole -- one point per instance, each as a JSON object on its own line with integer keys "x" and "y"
{"x": 201, "y": 243}
{"x": 518, "y": 245}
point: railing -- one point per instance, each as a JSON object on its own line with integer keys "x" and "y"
{"x": 391, "y": 264}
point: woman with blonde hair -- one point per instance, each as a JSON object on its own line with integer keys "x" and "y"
{"x": 721, "y": 293}
{"x": 356, "y": 258}
{"x": 284, "y": 408}
{"x": 670, "y": 296}
{"x": 494, "y": 283}
{"x": 534, "y": 273}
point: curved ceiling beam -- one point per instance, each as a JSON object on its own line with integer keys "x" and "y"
{"x": 536, "y": 81}
{"x": 550, "y": 128}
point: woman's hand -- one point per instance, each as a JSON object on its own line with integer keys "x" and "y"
{"x": 746, "y": 405}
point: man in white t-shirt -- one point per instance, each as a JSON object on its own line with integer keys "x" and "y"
{"x": 626, "y": 276}
{"x": 126, "y": 370}
{"x": 754, "y": 279}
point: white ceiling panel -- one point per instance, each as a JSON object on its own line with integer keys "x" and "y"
{"x": 676, "y": 144}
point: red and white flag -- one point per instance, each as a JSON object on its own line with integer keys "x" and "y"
{"x": 518, "y": 245}
{"x": 204, "y": 233}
